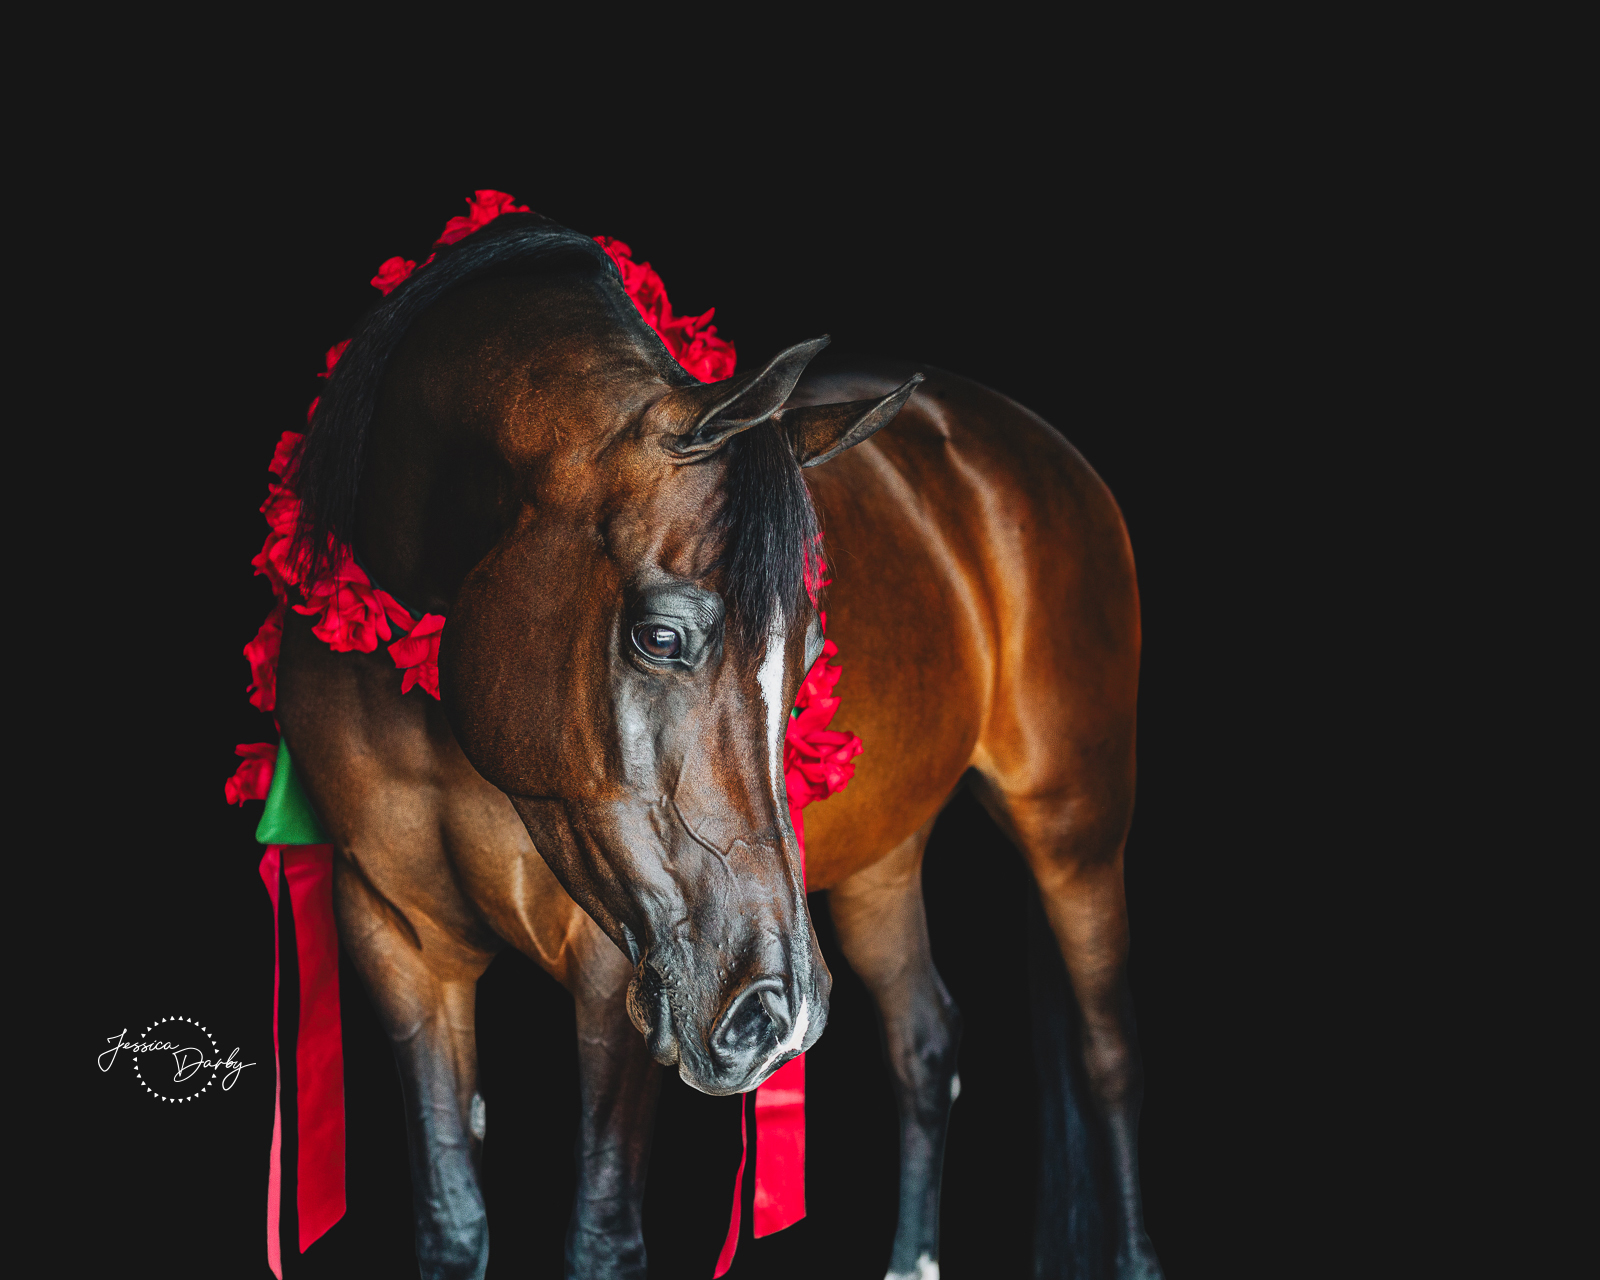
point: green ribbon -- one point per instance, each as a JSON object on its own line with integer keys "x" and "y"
{"x": 289, "y": 817}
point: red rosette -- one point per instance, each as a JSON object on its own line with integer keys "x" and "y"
{"x": 262, "y": 655}
{"x": 482, "y": 209}
{"x": 418, "y": 655}
{"x": 334, "y": 352}
{"x": 253, "y": 778}
{"x": 393, "y": 273}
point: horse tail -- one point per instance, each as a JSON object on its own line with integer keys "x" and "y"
{"x": 1072, "y": 1239}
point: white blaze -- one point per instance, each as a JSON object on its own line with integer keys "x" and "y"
{"x": 770, "y": 678}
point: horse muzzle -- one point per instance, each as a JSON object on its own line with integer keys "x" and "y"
{"x": 763, "y": 1025}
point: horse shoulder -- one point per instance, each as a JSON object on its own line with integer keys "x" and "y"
{"x": 440, "y": 847}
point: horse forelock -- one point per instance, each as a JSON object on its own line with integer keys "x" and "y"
{"x": 768, "y": 526}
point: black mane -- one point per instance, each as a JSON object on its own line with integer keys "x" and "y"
{"x": 767, "y": 520}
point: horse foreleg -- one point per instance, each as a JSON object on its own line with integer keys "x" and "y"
{"x": 619, "y": 1084}
{"x": 425, "y": 998}
{"x": 883, "y": 929}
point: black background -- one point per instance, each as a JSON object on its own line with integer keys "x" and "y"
{"x": 1161, "y": 288}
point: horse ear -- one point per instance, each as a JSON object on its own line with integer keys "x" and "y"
{"x": 822, "y": 431}
{"x": 718, "y": 411}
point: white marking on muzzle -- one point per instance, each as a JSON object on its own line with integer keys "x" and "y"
{"x": 797, "y": 1037}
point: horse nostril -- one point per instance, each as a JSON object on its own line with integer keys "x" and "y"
{"x": 777, "y": 1007}
{"x": 760, "y": 1010}
{"x": 651, "y": 1012}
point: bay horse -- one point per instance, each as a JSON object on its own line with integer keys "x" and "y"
{"x": 621, "y": 553}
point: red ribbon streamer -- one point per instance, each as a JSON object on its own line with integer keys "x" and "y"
{"x": 731, "y": 1244}
{"x": 319, "y": 1049}
{"x": 781, "y": 1149}
{"x": 780, "y": 1197}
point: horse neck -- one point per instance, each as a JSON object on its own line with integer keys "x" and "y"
{"x": 499, "y": 385}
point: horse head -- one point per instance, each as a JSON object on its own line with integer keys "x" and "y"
{"x": 620, "y": 551}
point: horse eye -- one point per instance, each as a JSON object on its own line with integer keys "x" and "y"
{"x": 656, "y": 641}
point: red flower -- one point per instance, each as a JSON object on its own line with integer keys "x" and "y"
{"x": 395, "y": 610}
{"x": 354, "y": 614}
{"x": 692, "y": 340}
{"x": 334, "y": 352}
{"x": 391, "y": 274}
{"x": 283, "y": 455}
{"x": 418, "y": 655}
{"x": 313, "y": 408}
{"x": 253, "y": 779}
{"x": 814, "y": 571}
{"x": 262, "y": 654}
{"x": 482, "y": 209}
{"x": 816, "y": 760}
{"x": 282, "y": 510}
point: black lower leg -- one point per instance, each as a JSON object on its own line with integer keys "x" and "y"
{"x": 921, "y": 1044}
{"x": 620, "y": 1085}
{"x": 1090, "y": 1221}
{"x": 452, "y": 1227}
{"x": 1071, "y": 1238}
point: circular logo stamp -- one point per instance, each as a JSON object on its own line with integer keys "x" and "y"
{"x": 175, "y": 1059}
